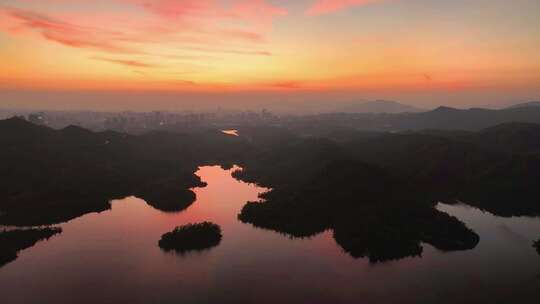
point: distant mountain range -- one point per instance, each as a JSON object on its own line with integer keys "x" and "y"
{"x": 525, "y": 104}
{"x": 443, "y": 118}
{"x": 379, "y": 107}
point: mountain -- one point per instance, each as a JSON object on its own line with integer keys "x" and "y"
{"x": 19, "y": 130}
{"x": 470, "y": 119}
{"x": 526, "y": 104}
{"x": 53, "y": 176}
{"x": 495, "y": 169}
{"x": 379, "y": 106}
{"x": 518, "y": 138}
{"x": 514, "y": 137}
{"x": 373, "y": 212}
{"x": 442, "y": 118}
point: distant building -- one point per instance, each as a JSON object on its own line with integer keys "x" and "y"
{"x": 37, "y": 118}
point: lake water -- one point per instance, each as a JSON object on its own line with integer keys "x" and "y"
{"x": 113, "y": 257}
{"x": 230, "y": 132}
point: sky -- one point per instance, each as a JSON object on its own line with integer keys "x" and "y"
{"x": 177, "y": 54}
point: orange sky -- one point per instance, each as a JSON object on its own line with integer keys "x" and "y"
{"x": 424, "y": 52}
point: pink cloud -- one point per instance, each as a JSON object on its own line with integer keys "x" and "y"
{"x": 220, "y": 26}
{"x": 175, "y": 9}
{"x": 66, "y": 33}
{"x": 321, "y": 7}
{"x": 243, "y": 34}
{"x": 257, "y": 12}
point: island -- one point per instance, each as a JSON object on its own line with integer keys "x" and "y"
{"x": 191, "y": 237}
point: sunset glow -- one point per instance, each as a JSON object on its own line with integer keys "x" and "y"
{"x": 456, "y": 51}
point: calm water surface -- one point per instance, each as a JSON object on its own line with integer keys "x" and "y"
{"x": 113, "y": 257}
{"x": 230, "y": 132}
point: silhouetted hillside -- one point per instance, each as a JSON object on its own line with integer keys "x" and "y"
{"x": 377, "y": 193}
{"x": 13, "y": 241}
{"x": 372, "y": 213}
{"x": 472, "y": 167}
{"x": 442, "y": 118}
{"x": 513, "y": 138}
{"x": 526, "y": 105}
{"x": 17, "y": 130}
{"x": 379, "y": 106}
{"x": 289, "y": 162}
{"x": 471, "y": 119}
{"x": 54, "y": 176}
{"x": 520, "y": 138}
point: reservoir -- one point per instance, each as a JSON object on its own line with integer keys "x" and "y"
{"x": 113, "y": 257}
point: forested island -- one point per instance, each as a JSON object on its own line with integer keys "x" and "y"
{"x": 191, "y": 237}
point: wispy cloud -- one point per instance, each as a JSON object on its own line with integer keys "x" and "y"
{"x": 129, "y": 63}
{"x": 67, "y": 33}
{"x": 229, "y": 51}
{"x": 288, "y": 85}
{"x": 321, "y": 7}
{"x": 243, "y": 34}
{"x": 202, "y": 23}
{"x": 259, "y": 13}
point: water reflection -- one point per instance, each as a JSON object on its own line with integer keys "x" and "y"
{"x": 113, "y": 257}
{"x": 230, "y": 132}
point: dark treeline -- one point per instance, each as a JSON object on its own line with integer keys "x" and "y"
{"x": 13, "y": 241}
{"x": 495, "y": 169}
{"x": 377, "y": 192}
{"x": 51, "y": 176}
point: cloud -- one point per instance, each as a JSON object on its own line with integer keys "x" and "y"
{"x": 243, "y": 9}
{"x": 66, "y": 33}
{"x": 288, "y": 85}
{"x": 142, "y": 73}
{"x": 227, "y": 26}
{"x": 322, "y": 7}
{"x": 230, "y": 51}
{"x": 129, "y": 63}
{"x": 180, "y": 11}
{"x": 243, "y": 34}
{"x": 259, "y": 13}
